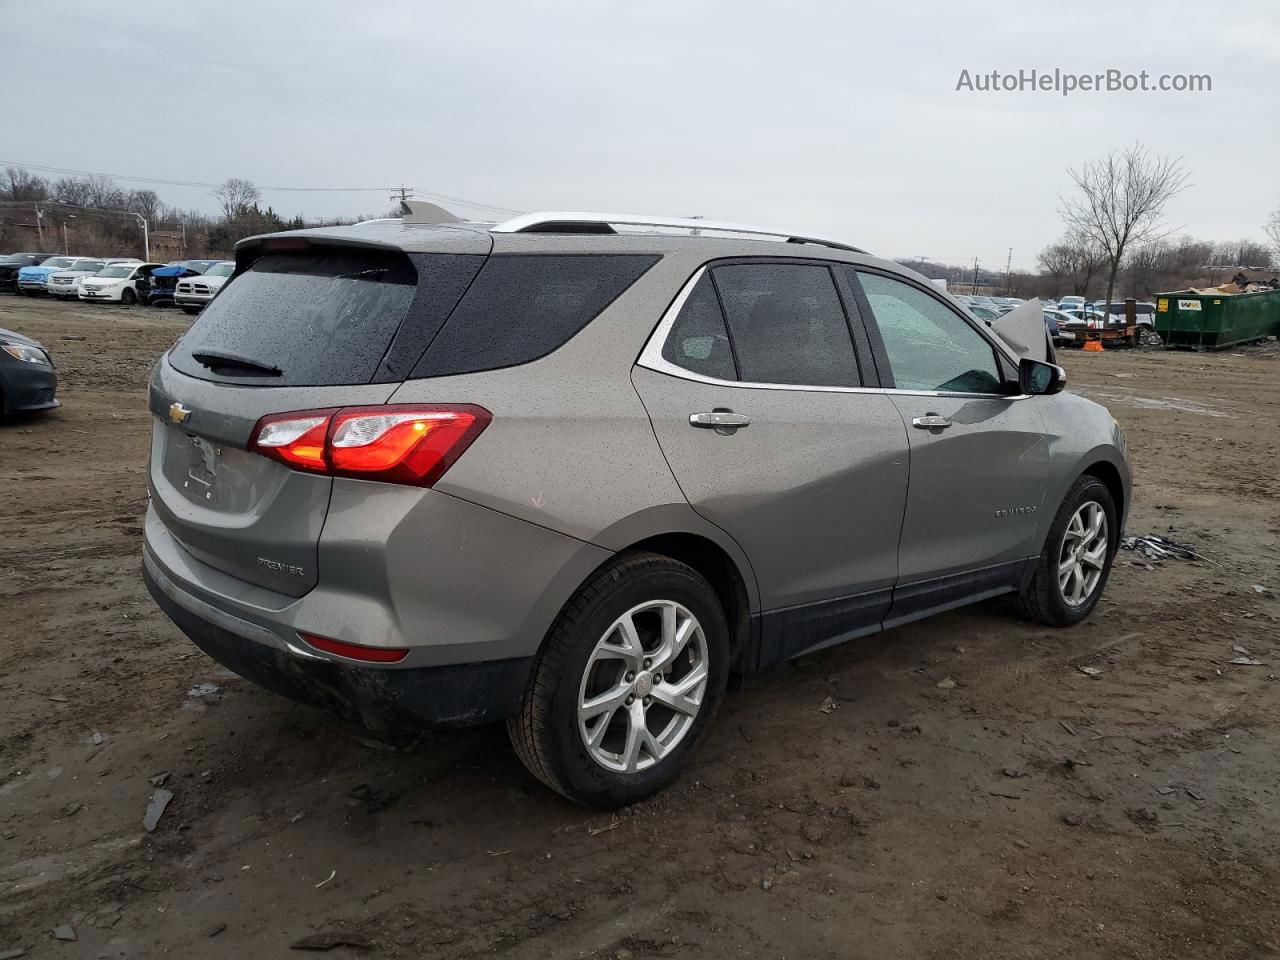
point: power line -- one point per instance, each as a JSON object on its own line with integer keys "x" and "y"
{"x": 164, "y": 181}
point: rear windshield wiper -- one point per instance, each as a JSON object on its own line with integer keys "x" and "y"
{"x": 230, "y": 362}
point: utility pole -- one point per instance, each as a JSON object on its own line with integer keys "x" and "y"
{"x": 1008, "y": 274}
{"x": 39, "y": 227}
{"x": 974, "y": 291}
{"x": 402, "y": 194}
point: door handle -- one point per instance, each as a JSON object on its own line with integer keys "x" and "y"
{"x": 931, "y": 422}
{"x": 719, "y": 418}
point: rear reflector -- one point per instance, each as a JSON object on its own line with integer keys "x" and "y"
{"x": 411, "y": 444}
{"x": 355, "y": 651}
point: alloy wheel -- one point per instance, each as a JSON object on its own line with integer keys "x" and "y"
{"x": 1083, "y": 556}
{"x": 643, "y": 686}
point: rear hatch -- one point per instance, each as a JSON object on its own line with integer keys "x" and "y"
{"x": 305, "y": 324}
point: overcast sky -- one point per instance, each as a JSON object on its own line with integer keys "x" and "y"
{"x": 836, "y": 119}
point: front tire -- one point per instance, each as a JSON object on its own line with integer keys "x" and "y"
{"x": 191, "y": 311}
{"x": 626, "y": 683}
{"x": 128, "y": 298}
{"x": 1076, "y": 560}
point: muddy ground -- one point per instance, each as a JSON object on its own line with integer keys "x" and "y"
{"x": 844, "y": 806}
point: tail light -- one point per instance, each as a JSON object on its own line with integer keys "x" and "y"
{"x": 411, "y": 444}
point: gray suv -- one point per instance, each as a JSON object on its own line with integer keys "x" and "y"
{"x": 579, "y": 472}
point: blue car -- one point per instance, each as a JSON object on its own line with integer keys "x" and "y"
{"x": 33, "y": 280}
{"x": 164, "y": 280}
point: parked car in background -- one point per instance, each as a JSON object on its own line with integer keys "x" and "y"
{"x": 1056, "y": 321}
{"x": 28, "y": 381}
{"x": 985, "y": 312}
{"x": 1083, "y": 316}
{"x": 555, "y": 513}
{"x": 1144, "y": 310}
{"x": 12, "y": 263}
{"x": 65, "y": 284}
{"x": 192, "y": 293}
{"x": 32, "y": 280}
{"x": 164, "y": 281}
{"x": 1071, "y": 303}
{"x": 124, "y": 283}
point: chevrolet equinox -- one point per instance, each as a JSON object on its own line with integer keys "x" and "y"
{"x": 575, "y": 471}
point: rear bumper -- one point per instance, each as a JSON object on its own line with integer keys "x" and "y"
{"x": 27, "y": 388}
{"x": 381, "y": 699}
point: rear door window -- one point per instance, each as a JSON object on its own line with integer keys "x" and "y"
{"x": 522, "y": 307}
{"x": 699, "y": 341}
{"x": 787, "y": 324}
{"x": 319, "y": 318}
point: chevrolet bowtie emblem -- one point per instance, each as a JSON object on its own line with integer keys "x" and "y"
{"x": 178, "y": 413}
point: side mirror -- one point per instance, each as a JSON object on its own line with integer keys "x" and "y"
{"x": 1037, "y": 378}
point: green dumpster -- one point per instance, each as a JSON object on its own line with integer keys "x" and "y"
{"x": 1211, "y": 321}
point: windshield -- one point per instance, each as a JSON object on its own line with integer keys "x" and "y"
{"x": 119, "y": 270}
{"x": 220, "y": 270}
{"x": 195, "y": 266}
{"x": 88, "y": 266}
{"x": 58, "y": 262}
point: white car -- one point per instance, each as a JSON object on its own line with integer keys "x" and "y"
{"x": 65, "y": 284}
{"x": 192, "y": 293}
{"x": 117, "y": 283}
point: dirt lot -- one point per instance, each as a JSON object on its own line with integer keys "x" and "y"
{"x": 1030, "y": 810}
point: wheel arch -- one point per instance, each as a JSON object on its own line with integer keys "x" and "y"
{"x": 1109, "y": 474}
{"x": 677, "y": 531}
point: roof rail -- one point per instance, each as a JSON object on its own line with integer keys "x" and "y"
{"x": 574, "y": 222}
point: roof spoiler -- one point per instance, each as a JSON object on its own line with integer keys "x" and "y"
{"x": 419, "y": 211}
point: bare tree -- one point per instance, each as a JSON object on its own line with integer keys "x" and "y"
{"x": 1272, "y": 229}
{"x": 237, "y": 197}
{"x": 145, "y": 202}
{"x": 18, "y": 184}
{"x": 1121, "y": 201}
{"x": 1073, "y": 260}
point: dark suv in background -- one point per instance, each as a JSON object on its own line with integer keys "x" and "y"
{"x": 13, "y": 262}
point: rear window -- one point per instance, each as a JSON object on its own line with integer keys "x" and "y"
{"x": 523, "y": 307}
{"x": 321, "y": 320}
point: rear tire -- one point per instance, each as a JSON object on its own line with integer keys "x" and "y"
{"x": 1076, "y": 560}
{"x": 577, "y": 731}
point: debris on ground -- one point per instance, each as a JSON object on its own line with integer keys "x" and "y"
{"x": 371, "y": 798}
{"x": 1091, "y": 671}
{"x": 155, "y": 809}
{"x": 1159, "y": 548}
{"x": 13, "y": 954}
{"x": 65, "y": 931}
{"x": 828, "y": 705}
{"x": 946, "y": 684}
{"x": 1246, "y": 662}
{"x": 330, "y": 939}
